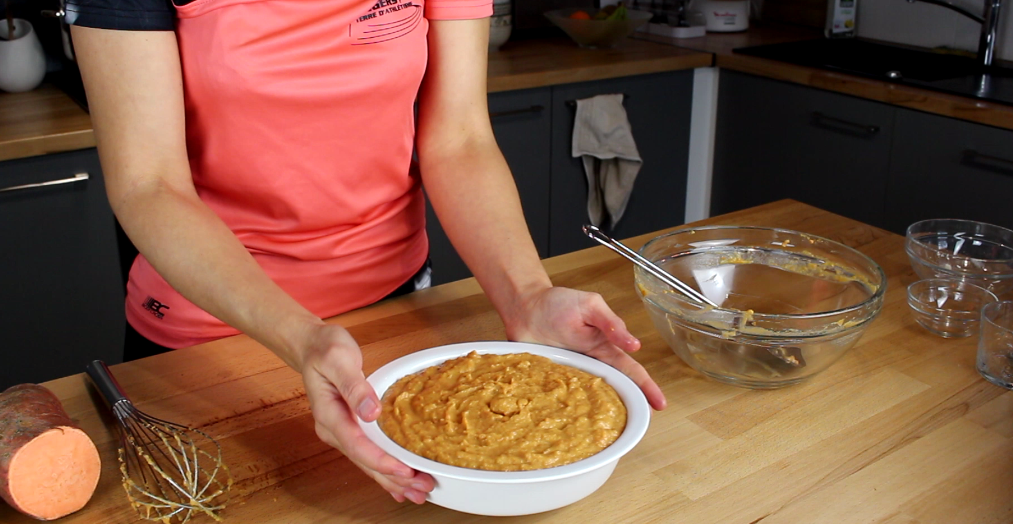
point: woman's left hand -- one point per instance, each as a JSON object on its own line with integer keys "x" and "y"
{"x": 582, "y": 322}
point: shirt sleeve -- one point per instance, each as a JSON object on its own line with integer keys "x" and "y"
{"x": 130, "y": 15}
{"x": 458, "y": 9}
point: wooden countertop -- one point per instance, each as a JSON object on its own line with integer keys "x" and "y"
{"x": 722, "y": 44}
{"x": 901, "y": 429}
{"x": 40, "y": 122}
{"x": 537, "y": 63}
{"x": 46, "y": 121}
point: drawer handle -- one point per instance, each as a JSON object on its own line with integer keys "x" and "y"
{"x": 993, "y": 163}
{"x": 514, "y": 112}
{"x": 79, "y": 177}
{"x": 573, "y": 103}
{"x": 861, "y": 129}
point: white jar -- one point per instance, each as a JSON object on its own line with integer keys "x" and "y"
{"x": 725, "y": 16}
{"x": 500, "y": 24}
{"x": 22, "y": 60}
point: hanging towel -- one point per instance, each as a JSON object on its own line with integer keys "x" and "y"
{"x": 603, "y": 139}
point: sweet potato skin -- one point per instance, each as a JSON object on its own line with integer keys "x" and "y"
{"x": 26, "y": 411}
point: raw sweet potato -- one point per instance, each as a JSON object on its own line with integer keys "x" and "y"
{"x": 48, "y": 467}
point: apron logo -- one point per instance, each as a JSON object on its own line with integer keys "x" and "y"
{"x": 386, "y": 20}
{"x": 155, "y": 307}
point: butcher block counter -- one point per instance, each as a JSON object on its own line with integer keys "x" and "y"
{"x": 902, "y": 429}
{"x": 48, "y": 121}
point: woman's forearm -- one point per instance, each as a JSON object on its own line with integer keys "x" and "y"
{"x": 475, "y": 197}
{"x": 134, "y": 85}
{"x": 197, "y": 254}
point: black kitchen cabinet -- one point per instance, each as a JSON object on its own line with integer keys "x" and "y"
{"x": 947, "y": 168}
{"x": 61, "y": 285}
{"x": 534, "y": 129}
{"x": 658, "y": 107}
{"x": 521, "y": 122}
{"x": 777, "y": 140}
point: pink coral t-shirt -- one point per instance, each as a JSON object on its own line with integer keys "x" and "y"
{"x": 300, "y": 129}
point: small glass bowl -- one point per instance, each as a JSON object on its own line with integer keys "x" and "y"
{"x": 963, "y": 249}
{"x": 949, "y": 308}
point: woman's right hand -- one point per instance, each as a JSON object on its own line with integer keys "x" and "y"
{"x": 338, "y": 392}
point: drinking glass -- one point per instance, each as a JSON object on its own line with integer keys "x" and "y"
{"x": 995, "y": 346}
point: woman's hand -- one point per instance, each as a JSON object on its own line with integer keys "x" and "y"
{"x": 583, "y": 322}
{"x": 338, "y": 393}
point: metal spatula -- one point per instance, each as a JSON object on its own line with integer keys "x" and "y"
{"x": 599, "y": 236}
{"x": 789, "y": 356}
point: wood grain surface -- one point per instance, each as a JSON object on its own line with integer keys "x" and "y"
{"x": 42, "y": 121}
{"x": 964, "y": 108}
{"x": 537, "y": 63}
{"x": 901, "y": 430}
{"x": 47, "y": 121}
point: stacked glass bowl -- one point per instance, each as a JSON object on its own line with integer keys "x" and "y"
{"x": 963, "y": 265}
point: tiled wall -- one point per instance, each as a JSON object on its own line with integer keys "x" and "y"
{"x": 927, "y": 25}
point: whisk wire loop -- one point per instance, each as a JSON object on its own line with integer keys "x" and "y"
{"x": 168, "y": 473}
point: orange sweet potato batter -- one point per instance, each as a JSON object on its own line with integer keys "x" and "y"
{"x": 503, "y": 413}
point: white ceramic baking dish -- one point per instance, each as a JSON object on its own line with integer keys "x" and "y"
{"x": 504, "y": 493}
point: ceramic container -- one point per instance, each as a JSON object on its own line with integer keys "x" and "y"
{"x": 22, "y": 60}
{"x": 725, "y": 16}
{"x": 500, "y": 24}
{"x": 506, "y": 493}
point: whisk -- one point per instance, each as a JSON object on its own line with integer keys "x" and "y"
{"x": 170, "y": 472}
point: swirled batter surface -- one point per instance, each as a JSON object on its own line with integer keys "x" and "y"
{"x": 511, "y": 412}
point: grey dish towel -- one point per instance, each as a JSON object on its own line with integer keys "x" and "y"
{"x": 603, "y": 139}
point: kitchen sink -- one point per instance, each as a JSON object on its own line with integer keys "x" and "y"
{"x": 949, "y": 73}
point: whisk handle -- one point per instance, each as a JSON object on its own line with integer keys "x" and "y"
{"x": 105, "y": 382}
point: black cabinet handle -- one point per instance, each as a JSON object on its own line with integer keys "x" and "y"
{"x": 514, "y": 112}
{"x": 80, "y": 177}
{"x": 855, "y": 128}
{"x": 573, "y": 103}
{"x": 992, "y": 163}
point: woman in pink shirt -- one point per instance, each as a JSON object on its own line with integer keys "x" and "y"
{"x": 259, "y": 155}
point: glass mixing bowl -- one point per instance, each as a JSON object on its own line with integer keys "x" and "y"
{"x": 977, "y": 252}
{"x": 791, "y": 303}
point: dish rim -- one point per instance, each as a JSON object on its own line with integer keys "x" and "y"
{"x": 916, "y": 302}
{"x": 909, "y": 236}
{"x": 876, "y": 296}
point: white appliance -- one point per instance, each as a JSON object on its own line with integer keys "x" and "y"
{"x": 725, "y": 16}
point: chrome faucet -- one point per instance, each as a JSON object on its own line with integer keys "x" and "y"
{"x": 989, "y": 25}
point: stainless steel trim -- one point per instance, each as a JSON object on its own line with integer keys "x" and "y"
{"x": 989, "y": 25}
{"x": 79, "y": 177}
{"x": 599, "y": 236}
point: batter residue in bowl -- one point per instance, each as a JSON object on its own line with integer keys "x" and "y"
{"x": 510, "y": 412}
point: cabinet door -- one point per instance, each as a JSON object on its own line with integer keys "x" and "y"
{"x": 843, "y": 158}
{"x": 61, "y": 293}
{"x": 658, "y": 107}
{"x": 777, "y": 140}
{"x": 760, "y": 124}
{"x": 947, "y": 168}
{"x": 521, "y": 122}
